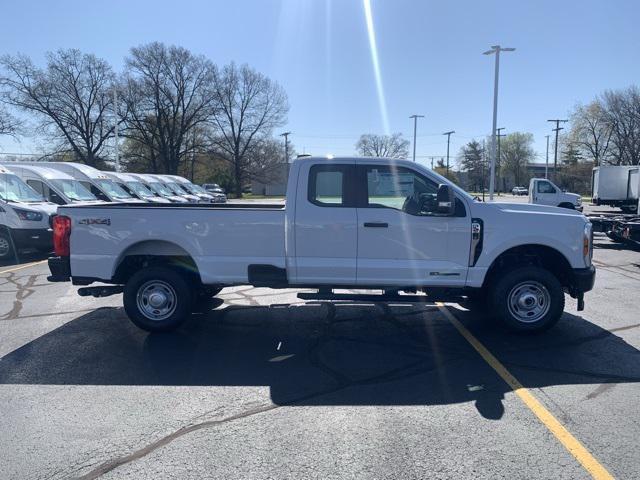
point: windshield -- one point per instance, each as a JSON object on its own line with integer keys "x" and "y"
{"x": 73, "y": 190}
{"x": 197, "y": 189}
{"x": 13, "y": 189}
{"x": 139, "y": 189}
{"x": 161, "y": 189}
{"x": 112, "y": 189}
{"x": 176, "y": 188}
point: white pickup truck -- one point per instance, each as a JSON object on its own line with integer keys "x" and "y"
{"x": 348, "y": 223}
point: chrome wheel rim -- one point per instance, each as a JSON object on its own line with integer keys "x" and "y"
{"x": 529, "y": 301}
{"x": 156, "y": 300}
{"x": 4, "y": 247}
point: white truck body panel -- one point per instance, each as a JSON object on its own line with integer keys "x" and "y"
{"x": 611, "y": 182}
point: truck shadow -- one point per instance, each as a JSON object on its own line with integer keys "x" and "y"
{"x": 326, "y": 354}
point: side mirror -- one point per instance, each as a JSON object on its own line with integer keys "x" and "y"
{"x": 446, "y": 200}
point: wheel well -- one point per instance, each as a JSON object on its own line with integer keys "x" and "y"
{"x": 539, "y": 255}
{"x": 155, "y": 253}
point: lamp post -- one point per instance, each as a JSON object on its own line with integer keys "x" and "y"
{"x": 448, "y": 134}
{"x": 495, "y": 49}
{"x": 415, "y": 127}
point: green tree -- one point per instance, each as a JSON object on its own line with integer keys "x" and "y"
{"x": 516, "y": 151}
{"x": 471, "y": 160}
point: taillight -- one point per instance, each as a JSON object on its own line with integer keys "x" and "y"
{"x": 61, "y": 234}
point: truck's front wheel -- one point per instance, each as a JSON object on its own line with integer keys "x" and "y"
{"x": 157, "y": 299}
{"x": 528, "y": 299}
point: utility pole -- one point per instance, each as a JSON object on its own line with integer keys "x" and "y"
{"x": 483, "y": 161}
{"x": 448, "y": 134}
{"x": 286, "y": 145}
{"x": 115, "y": 127}
{"x": 555, "y": 155}
{"x": 495, "y": 49}
{"x": 499, "y": 158}
{"x": 546, "y": 165}
{"x": 415, "y": 127}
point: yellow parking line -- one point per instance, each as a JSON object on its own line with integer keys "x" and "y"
{"x": 27, "y": 265}
{"x": 569, "y": 442}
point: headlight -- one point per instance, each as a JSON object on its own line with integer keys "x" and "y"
{"x": 579, "y": 201}
{"x": 28, "y": 215}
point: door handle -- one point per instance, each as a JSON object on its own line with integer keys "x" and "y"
{"x": 376, "y": 224}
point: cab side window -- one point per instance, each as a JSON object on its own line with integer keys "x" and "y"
{"x": 545, "y": 187}
{"x": 331, "y": 186}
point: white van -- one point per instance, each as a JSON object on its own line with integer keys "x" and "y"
{"x": 194, "y": 189}
{"x": 55, "y": 186}
{"x": 25, "y": 217}
{"x": 171, "y": 184}
{"x": 97, "y": 182}
{"x": 136, "y": 188}
{"x": 159, "y": 188}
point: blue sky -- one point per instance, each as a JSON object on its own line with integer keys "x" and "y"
{"x": 430, "y": 56}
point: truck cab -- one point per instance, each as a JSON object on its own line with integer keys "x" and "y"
{"x": 545, "y": 192}
{"x": 25, "y": 217}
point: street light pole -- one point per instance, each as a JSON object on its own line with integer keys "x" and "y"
{"x": 546, "y": 165}
{"x": 415, "y": 127}
{"x": 495, "y": 49}
{"x": 499, "y": 158}
{"x": 555, "y": 154}
{"x": 448, "y": 134}
{"x": 115, "y": 128}
{"x": 286, "y": 145}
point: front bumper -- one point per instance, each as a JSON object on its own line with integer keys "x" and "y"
{"x": 583, "y": 279}
{"x": 38, "y": 238}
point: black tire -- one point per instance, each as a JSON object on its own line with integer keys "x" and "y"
{"x": 629, "y": 209}
{"x": 6, "y": 246}
{"x": 163, "y": 282}
{"x": 541, "y": 294}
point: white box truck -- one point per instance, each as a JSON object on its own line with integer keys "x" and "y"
{"x": 616, "y": 186}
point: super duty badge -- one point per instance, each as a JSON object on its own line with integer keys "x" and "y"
{"x": 94, "y": 221}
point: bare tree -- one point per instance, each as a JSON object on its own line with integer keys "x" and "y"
{"x": 591, "y": 132}
{"x": 167, "y": 93}
{"x": 622, "y": 114}
{"x": 249, "y": 107}
{"x": 9, "y": 125}
{"x": 390, "y": 146}
{"x": 71, "y": 99}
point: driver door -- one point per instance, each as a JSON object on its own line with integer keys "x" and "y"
{"x": 545, "y": 193}
{"x": 398, "y": 244}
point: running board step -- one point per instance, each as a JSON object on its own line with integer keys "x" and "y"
{"x": 98, "y": 292}
{"x": 357, "y": 297}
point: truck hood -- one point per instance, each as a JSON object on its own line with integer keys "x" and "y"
{"x": 533, "y": 208}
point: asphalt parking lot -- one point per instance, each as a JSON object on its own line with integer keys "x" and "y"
{"x": 266, "y": 386}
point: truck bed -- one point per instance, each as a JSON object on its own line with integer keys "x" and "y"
{"x": 222, "y": 240}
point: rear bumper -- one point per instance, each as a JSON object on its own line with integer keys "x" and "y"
{"x": 583, "y": 279}
{"x": 39, "y": 238}
{"x": 60, "y": 268}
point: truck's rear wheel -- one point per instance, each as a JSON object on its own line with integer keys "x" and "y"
{"x": 527, "y": 299}
{"x": 157, "y": 299}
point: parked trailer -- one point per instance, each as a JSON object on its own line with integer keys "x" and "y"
{"x": 619, "y": 228}
{"x": 616, "y": 186}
